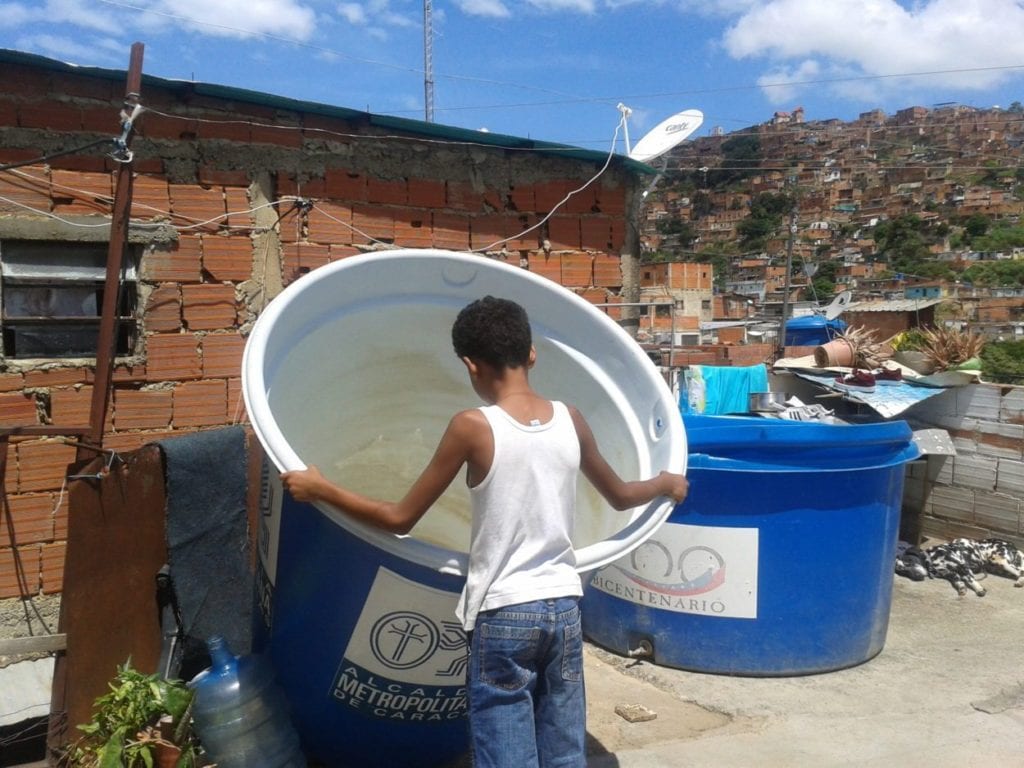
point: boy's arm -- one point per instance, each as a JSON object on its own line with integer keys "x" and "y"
{"x": 617, "y": 492}
{"x": 398, "y": 517}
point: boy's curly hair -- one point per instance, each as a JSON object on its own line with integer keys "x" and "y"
{"x": 496, "y": 331}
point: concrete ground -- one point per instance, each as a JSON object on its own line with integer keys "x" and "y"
{"x": 946, "y": 690}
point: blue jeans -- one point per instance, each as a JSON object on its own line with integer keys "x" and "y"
{"x": 527, "y": 706}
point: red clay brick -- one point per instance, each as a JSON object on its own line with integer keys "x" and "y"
{"x": 58, "y": 377}
{"x": 412, "y": 228}
{"x": 342, "y": 184}
{"x": 199, "y": 205}
{"x": 300, "y": 258}
{"x": 11, "y": 382}
{"x": 524, "y": 236}
{"x": 75, "y": 192}
{"x": 29, "y": 186}
{"x": 216, "y": 127}
{"x": 607, "y": 271}
{"x": 279, "y": 135}
{"x": 330, "y": 223}
{"x": 426, "y": 193}
{"x": 522, "y": 198}
{"x": 10, "y": 476}
{"x": 50, "y": 115}
{"x": 487, "y": 230}
{"x": 236, "y": 402}
{"x": 200, "y": 404}
{"x": 18, "y": 410}
{"x": 43, "y": 464}
{"x": 596, "y": 232}
{"x": 463, "y": 197}
{"x": 51, "y": 567}
{"x": 238, "y": 207}
{"x": 124, "y": 442}
{"x": 548, "y": 194}
{"x": 129, "y": 373}
{"x": 373, "y": 222}
{"x": 451, "y": 230}
{"x": 582, "y": 202}
{"x": 142, "y": 409}
{"x": 163, "y": 309}
{"x": 19, "y": 571}
{"x": 60, "y": 518}
{"x": 27, "y": 519}
{"x": 180, "y": 265}
{"x": 150, "y": 197}
{"x": 548, "y": 266}
{"x": 577, "y": 270}
{"x": 564, "y": 233}
{"x": 172, "y": 357}
{"x": 618, "y": 235}
{"x": 71, "y": 407}
{"x": 387, "y": 191}
{"x": 222, "y": 354}
{"x": 210, "y": 176}
{"x": 343, "y": 252}
{"x": 101, "y": 120}
{"x": 208, "y": 306}
{"x": 228, "y": 258}
{"x": 611, "y": 201}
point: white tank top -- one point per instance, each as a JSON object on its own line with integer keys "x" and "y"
{"x": 521, "y": 539}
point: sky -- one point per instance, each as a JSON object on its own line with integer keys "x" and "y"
{"x": 557, "y": 70}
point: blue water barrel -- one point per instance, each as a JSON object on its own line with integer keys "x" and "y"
{"x": 811, "y": 330}
{"x": 351, "y": 369}
{"x": 780, "y": 560}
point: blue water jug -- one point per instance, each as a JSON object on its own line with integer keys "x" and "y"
{"x": 240, "y": 715}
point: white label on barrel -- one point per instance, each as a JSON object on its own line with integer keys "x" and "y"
{"x": 406, "y": 658}
{"x": 689, "y": 569}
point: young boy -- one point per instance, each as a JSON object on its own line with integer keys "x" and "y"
{"x": 522, "y": 455}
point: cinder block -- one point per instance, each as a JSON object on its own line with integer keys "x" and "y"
{"x": 1000, "y": 514}
{"x": 978, "y": 472}
{"x": 43, "y": 464}
{"x": 953, "y": 503}
{"x": 172, "y": 357}
{"x": 26, "y": 519}
{"x": 142, "y": 409}
{"x": 200, "y": 404}
{"x": 209, "y": 306}
{"x": 1010, "y": 477}
{"x": 980, "y": 401}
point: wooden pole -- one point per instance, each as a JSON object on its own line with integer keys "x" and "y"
{"x": 106, "y": 347}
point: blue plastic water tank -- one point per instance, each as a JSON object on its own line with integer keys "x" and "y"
{"x": 811, "y": 330}
{"x": 779, "y": 561}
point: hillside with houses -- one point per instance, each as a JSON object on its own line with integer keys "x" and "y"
{"x": 923, "y": 205}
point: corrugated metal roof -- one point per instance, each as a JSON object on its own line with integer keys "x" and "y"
{"x": 418, "y": 127}
{"x": 892, "y": 305}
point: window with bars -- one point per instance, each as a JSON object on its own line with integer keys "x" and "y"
{"x": 51, "y": 298}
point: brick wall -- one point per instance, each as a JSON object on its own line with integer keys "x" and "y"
{"x": 980, "y": 491}
{"x": 220, "y": 173}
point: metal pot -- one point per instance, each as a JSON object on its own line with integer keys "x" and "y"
{"x": 767, "y": 401}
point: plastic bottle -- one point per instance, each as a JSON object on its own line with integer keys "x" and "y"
{"x": 239, "y": 713}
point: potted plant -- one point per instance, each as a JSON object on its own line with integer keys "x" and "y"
{"x": 951, "y": 349}
{"x": 908, "y": 350}
{"x": 143, "y": 721}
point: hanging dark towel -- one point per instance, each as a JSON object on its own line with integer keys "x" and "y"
{"x": 207, "y": 535}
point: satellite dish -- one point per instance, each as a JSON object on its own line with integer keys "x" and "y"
{"x": 666, "y": 135}
{"x": 839, "y": 303}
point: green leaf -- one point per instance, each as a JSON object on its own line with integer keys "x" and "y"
{"x": 110, "y": 754}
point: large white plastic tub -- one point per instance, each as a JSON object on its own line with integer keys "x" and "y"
{"x": 352, "y": 369}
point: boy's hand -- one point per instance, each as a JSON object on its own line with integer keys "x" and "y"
{"x": 674, "y": 486}
{"x": 304, "y": 484}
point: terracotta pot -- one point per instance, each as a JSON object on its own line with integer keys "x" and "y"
{"x": 833, "y": 354}
{"x": 167, "y": 755}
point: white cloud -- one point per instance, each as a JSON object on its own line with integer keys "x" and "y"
{"x": 494, "y": 9}
{"x": 242, "y": 18}
{"x": 377, "y": 16}
{"x": 582, "y": 6}
{"x": 884, "y": 38}
{"x": 353, "y": 13}
{"x": 71, "y": 51}
{"x": 776, "y": 83}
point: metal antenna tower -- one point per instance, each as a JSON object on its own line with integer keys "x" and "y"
{"x": 428, "y": 62}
